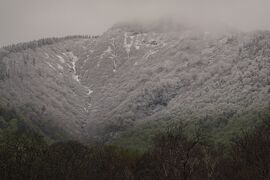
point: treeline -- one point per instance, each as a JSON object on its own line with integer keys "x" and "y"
{"x": 42, "y": 42}
{"x": 18, "y": 122}
{"x": 174, "y": 156}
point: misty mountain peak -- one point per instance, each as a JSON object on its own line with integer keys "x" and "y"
{"x": 132, "y": 74}
{"x": 158, "y": 26}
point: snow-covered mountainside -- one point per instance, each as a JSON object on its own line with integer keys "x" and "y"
{"x": 134, "y": 74}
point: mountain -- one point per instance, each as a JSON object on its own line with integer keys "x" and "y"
{"x": 133, "y": 74}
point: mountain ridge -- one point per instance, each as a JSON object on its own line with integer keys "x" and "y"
{"x": 99, "y": 86}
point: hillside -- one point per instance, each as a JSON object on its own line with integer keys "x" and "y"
{"x": 135, "y": 74}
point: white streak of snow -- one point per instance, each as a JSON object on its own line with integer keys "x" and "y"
{"x": 61, "y": 59}
{"x": 74, "y": 59}
{"x": 127, "y": 45}
{"x": 107, "y": 51}
{"x": 150, "y": 53}
{"x": 76, "y": 77}
{"x": 89, "y": 91}
{"x": 50, "y": 65}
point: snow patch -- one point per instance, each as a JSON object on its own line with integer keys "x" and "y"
{"x": 149, "y": 53}
{"x": 50, "y": 65}
{"x": 89, "y": 91}
{"x": 127, "y": 45}
{"x": 138, "y": 41}
{"x": 107, "y": 51}
{"x": 110, "y": 53}
{"x": 74, "y": 59}
{"x": 76, "y": 78}
{"x": 61, "y": 59}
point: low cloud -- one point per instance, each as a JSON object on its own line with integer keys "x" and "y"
{"x": 33, "y": 19}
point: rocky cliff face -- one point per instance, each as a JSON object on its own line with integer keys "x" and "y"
{"x": 133, "y": 74}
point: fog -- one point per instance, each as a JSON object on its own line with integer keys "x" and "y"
{"x": 24, "y": 20}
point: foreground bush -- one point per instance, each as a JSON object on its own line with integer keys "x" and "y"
{"x": 174, "y": 156}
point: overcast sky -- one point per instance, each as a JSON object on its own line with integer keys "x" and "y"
{"x": 24, "y": 20}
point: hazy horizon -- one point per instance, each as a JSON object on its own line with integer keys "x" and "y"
{"x": 34, "y": 19}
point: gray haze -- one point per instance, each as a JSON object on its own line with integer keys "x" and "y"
{"x": 24, "y": 20}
